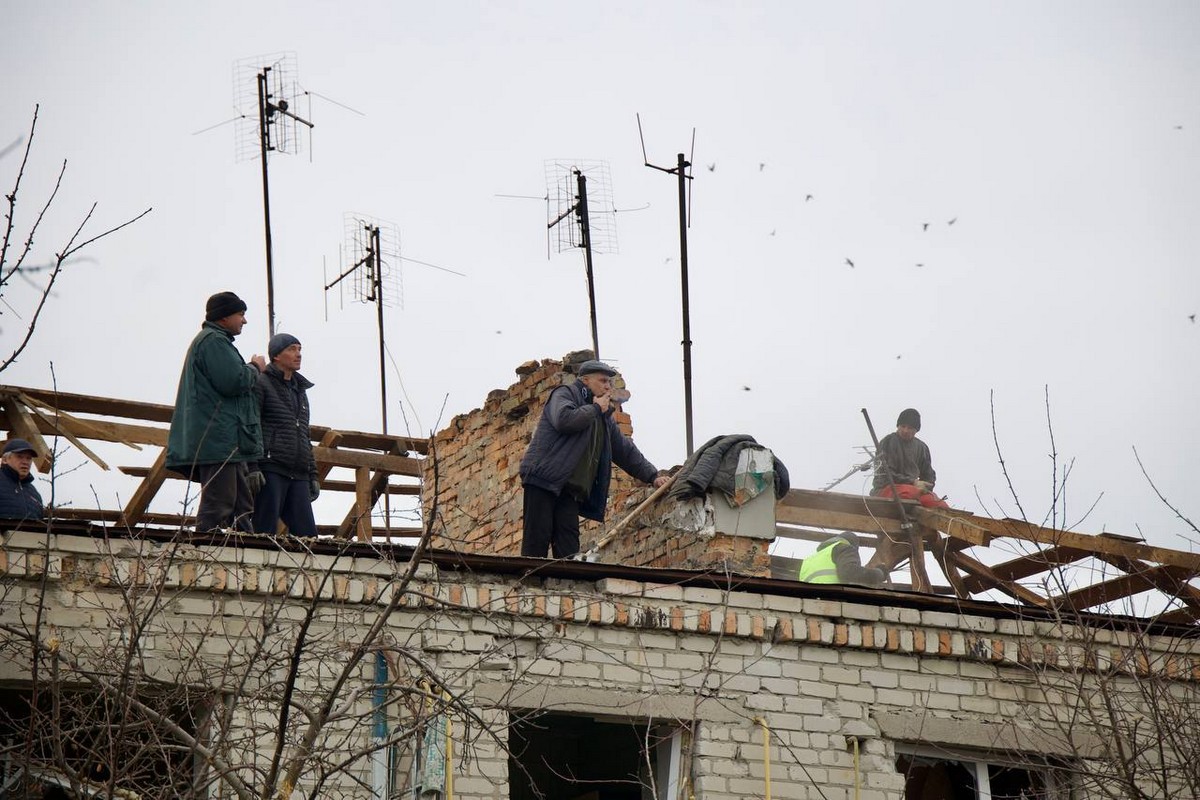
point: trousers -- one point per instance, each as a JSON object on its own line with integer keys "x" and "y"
{"x": 286, "y": 499}
{"x": 225, "y": 499}
{"x": 550, "y": 522}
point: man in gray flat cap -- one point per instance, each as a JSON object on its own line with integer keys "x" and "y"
{"x": 566, "y": 470}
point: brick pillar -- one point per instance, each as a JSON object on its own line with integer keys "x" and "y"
{"x": 479, "y": 494}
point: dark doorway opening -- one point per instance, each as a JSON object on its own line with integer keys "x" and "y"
{"x": 567, "y": 757}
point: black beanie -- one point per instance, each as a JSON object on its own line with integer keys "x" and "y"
{"x": 221, "y": 305}
{"x": 910, "y": 417}
{"x": 280, "y": 342}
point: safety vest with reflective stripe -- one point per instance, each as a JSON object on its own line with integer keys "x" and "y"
{"x": 820, "y": 566}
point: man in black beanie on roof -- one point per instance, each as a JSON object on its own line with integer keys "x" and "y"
{"x": 215, "y": 428}
{"x": 909, "y": 461}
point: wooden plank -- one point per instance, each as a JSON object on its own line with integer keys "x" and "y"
{"x": 145, "y": 492}
{"x": 327, "y": 485}
{"x": 916, "y": 564}
{"x": 125, "y": 433}
{"x": 949, "y": 521}
{"x": 101, "y": 406}
{"x": 328, "y": 439}
{"x": 68, "y": 434}
{"x": 397, "y": 465}
{"x": 22, "y": 423}
{"x": 151, "y": 518}
{"x": 943, "y": 553}
{"x": 360, "y": 514}
{"x": 383, "y": 442}
{"x": 839, "y": 520}
{"x": 963, "y": 531}
{"x": 76, "y": 425}
{"x": 1032, "y": 564}
{"x": 1012, "y": 589}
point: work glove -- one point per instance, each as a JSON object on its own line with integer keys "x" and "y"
{"x": 314, "y": 490}
{"x": 924, "y": 486}
{"x": 256, "y": 481}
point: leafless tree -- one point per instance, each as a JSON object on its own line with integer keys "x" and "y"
{"x": 16, "y": 246}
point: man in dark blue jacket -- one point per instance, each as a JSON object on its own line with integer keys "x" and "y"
{"x": 287, "y": 471}
{"x": 19, "y": 498}
{"x": 567, "y": 468}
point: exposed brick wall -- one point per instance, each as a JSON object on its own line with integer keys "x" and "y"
{"x": 479, "y": 494}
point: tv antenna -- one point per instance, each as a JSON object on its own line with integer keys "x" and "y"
{"x": 267, "y": 84}
{"x": 682, "y": 170}
{"x": 595, "y": 231}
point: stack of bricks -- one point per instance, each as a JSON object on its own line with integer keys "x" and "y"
{"x": 479, "y": 495}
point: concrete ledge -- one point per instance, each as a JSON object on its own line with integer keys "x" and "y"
{"x": 608, "y": 702}
{"x": 921, "y": 726}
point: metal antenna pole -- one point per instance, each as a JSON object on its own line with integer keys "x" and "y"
{"x": 264, "y": 137}
{"x": 581, "y": 208}
{"x": 681, "y": 172}
{"x": 377, "y": 289}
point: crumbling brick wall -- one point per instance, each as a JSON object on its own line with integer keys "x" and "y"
{"x": 479, "y": 495}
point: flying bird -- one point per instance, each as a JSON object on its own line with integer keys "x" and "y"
{"x": 920, "y": 264}
{"x": 851, "y": 263}
{"x": 951, "y": 222}
{"x": 807, "y": 197}
{"x": 772, "y": 231}
{"x": 712, "y": 167}
{"x": 1178, "y": 127}
{"x": 761, "y": 165}
{"x": 745, "y": 388}
{"x": 1192, "y": 317}
{"x": 924, "y": 226}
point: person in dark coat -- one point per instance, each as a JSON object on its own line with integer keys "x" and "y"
{"x": 909, "y": 461}
{"x": 19, "y": 498}
{"x": 287, "y": 470}
{"x": 567, "y": 468}
{"x": 215, "y": 430}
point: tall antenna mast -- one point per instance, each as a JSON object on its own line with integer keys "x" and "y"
{"x": 567, "y": 188}
{"x": 275, "y": 90}
{"x": 681, "y": 171}
{"x": 372, "y": 251}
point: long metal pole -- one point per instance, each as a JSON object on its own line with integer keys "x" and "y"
{"x": 681, "y": 172}
{"x": 377, "y": 288}
{"x": 263, "y": 138}
{"x": 585, "y": 229}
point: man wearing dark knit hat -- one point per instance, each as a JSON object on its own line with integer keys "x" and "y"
{"x": 566, "y": 470}
{"x": 19, "y": 498}
{"x": 287, "y": 470}
{"x": 909, "y": 462}
{"x": 215, "y": 429}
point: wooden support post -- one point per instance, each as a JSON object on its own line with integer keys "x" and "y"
{"x": 147, "y": 489}
{"x": 364, "y": 501}
{"x": 943, "y": 551}
{"x": 916, "y": 564}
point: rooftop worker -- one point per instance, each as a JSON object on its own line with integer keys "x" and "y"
{"x": 910, "y": 463}
{"x": 19, "y": 498}
{"x": 215, "y": 429}
{"x": 566, "y": 470}
{"x": 287, "y": 470}
{"x": 837, "y": 561}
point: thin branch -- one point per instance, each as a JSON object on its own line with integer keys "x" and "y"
{"x": 1166, "y": 502}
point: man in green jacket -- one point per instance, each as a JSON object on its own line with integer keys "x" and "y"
{"x": 215, "y": 429}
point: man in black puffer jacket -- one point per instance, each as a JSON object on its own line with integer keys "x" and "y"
{"x": 287, "y": 472}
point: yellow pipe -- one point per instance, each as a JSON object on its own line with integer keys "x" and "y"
{"x": 449, "y": 750}
{"x": 857, "y": 778}
{"x": 766, "y": 755}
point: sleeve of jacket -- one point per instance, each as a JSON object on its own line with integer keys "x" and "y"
{"x": 626, "y": 454}
{"x": 926, "y": 465}
{"x": 226, "y": 371}
{"x": 851, "y": 570}
{"x": 566, "y": 415}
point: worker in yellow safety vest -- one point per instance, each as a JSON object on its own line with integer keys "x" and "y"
{"x": 837, "y": 561}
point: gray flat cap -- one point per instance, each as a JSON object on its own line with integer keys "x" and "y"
{"x": 588, "y": 367}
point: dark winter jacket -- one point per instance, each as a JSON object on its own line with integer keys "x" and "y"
{"x": 910, "y": 462}
{"x": 561, "y": 439}
{"x": 216, "y": 418}
{"x": 714, "y": 466}
{"x": 283, "y": 409}
{"x": 19, "y": 498}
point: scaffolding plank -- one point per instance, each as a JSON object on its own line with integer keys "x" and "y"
{"x": 397, "y": 465}
{"x": 982, "y": 571}
{"x": 144, "y": 494}
{"x": 840, "y": 520}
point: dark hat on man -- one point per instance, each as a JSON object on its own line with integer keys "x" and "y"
{"x": 909, "y": 417}
{"x": 280, "y": 342}
{"x": 221, "y": 305}
{"x": 18, "y": 446}
{"x": 589, "y": 367}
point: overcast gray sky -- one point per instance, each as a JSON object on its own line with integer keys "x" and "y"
{"x": 1063, "y": 138}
